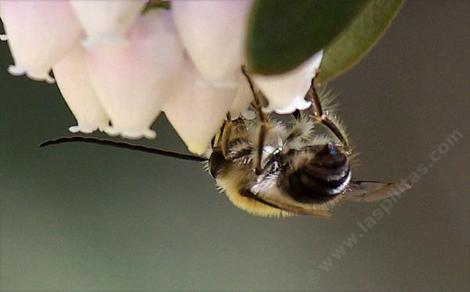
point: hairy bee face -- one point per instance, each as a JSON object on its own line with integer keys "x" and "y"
{"x": 315, "y": 174}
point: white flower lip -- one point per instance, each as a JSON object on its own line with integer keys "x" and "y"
{"x": 39, "y": 34}
{"x": 286, "y": 92}
{"x": 76, "y": 87}
{"x": 132, "y": 80}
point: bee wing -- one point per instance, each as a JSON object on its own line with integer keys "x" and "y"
{"x": 372, "y": 191}
{"x": 303, "y": 210}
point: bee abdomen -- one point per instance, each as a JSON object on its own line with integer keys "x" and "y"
{"x": 318, "y": 179}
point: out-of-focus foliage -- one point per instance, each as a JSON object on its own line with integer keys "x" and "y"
{"x": 358, "y": 38}
{"x": 281, "y": 36}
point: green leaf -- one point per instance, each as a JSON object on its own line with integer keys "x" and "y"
{"x": 358, "y": 38}
{"x": 282, "y": 34}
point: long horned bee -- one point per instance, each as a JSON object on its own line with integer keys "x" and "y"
{"x": 269, "y": 168}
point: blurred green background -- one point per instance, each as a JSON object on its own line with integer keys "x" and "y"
{"x": 89, "y": 218}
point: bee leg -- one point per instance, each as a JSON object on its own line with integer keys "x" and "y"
{"x": 215, "y": 142}
{"x": 225, "y": 135}
{"x": 322, "y": 117}
{"x": 264, "y": 125}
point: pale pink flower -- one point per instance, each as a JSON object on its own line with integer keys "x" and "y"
{"x": 39, "y": 34}
{"x": 286, "y": 92}
{"x": 196, "y": 108}
{"x": 213, "y": 33}
{"x": 132, "y": 79}
{"x": 186, "y": 61}
{"x": 107, "y": 21}
{"x": 76, "y": 87}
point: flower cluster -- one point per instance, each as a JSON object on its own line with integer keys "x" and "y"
{"x": 119, "y": 65}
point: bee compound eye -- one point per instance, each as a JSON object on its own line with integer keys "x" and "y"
{"x": 328, "y": 151}
{"x": 331, "y": 149}
{"x": 217, "y": 162}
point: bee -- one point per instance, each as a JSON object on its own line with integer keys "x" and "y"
{"x": 271, "y": 168}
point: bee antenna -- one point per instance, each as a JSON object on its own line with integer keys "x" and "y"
{"x": 123, "y": 145}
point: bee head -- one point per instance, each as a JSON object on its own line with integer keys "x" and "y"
{"x": 316, "y": 173}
